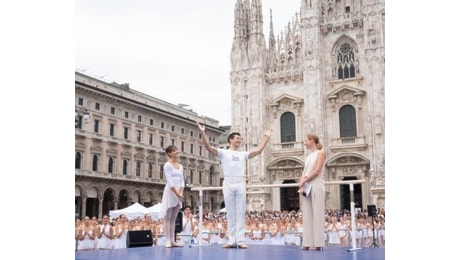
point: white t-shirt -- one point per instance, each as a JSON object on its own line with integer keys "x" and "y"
{"x": 233, "y": 162}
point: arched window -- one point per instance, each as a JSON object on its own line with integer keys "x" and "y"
{"x": 287, "y": 127}
{"x": 95, "y": 161}
{"x": 78, "y": 160}
{"x": 110, "y": 166}
{"x": 345, "y": 62}
{"x": 347, "y": 116}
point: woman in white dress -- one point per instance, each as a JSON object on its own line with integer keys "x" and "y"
{"x": 223, "y": 236}
{"x": 365, "y": 234}
{"x": 78, "y": 225}
{"x": 344, "y": 232}
{"x": 173, "y": 194}
{"x": 87, "y": 235}
{"x": 257, "y": 233}
{"x": 371, "y": 231}
{"x": 359, "y": 232}
{"x": 122, "y": 232}
{"x": 275, "y": 233}
{"x": 333, "y": 232}
{"x": 268, "y": 227}
{"x": 381, "y": 227}
{"x": 280, "y": 238}
{"x": 148, "y": 224}
{"x": 105, "y": 234}
{"x": 160, "y": 234}
{"x": 188, "y": 225}
{"x": 291, "y": 232}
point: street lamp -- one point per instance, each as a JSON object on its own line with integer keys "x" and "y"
{"x": 81, "y": 113}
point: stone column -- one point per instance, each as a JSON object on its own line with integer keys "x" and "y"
{"x": 99, "y": 211}
{"x": 115, "y": 204}
{"x": 83, "y": 205}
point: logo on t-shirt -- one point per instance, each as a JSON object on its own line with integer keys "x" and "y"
{"x": 235, "y": 158}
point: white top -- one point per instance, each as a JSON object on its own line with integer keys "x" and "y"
{"x": 233, "y": 162}
{"x": 310, "y": 164}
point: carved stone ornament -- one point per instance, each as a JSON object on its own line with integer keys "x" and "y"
{"x": 285, "y": 103}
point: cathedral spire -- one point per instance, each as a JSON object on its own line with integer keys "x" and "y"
{"x": 256, "y": 18}
{"x": 238, "y": 27}
{"x": 256, "y": 43}
{"x": 271, "y": 38}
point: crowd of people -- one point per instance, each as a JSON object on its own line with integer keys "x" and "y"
{"x": 261, "y": 228}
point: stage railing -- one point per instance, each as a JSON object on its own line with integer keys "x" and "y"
{"x": 286, "y": 185}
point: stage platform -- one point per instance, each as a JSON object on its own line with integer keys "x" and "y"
{"x": 211, "y": 252}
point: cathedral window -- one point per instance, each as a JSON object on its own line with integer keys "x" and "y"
{"x": 347, "y": 115}
{"x": 287, "y": 127}
{"x": 345, "y": 62}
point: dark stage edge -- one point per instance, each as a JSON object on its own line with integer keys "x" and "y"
{"x": 254, "y": 252}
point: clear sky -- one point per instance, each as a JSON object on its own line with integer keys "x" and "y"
{"x": 177, "y": 51}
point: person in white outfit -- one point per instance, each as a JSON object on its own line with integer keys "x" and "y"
{"x": 234, "y": 186}
{"x": 313, "y": 192}
{"x": 106, "y": 234}
{"x": 188, "y": 225}
{"x": 173, "y": 194}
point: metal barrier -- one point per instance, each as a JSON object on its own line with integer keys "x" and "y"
{"x": 352, "y": 203}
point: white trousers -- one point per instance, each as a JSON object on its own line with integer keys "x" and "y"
{"x": 313, "y": 208}
{"x": 234, "y": 190}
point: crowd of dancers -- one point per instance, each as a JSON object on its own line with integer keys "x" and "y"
{"x": 262, "y": 228}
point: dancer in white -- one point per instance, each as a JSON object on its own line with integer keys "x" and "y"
{"x": 173, "y": 194}
{"x": 234, "y": 185}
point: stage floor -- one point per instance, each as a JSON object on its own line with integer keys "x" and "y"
{"x": 211, "y": 252}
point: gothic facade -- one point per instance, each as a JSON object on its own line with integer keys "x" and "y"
{"x": 324, "y": 74}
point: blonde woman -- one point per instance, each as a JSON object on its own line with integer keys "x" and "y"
{"x": 312, "y": 195}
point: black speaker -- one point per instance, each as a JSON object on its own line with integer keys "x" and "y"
{"x": 138, "y": 238}
{"x": 371, "y": 211}
{"x": 178, "y": 224}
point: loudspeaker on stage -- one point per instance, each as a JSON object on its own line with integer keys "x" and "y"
{"x": 138, "y": 238}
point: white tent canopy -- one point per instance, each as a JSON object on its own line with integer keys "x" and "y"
{"x": 154, "y": 211}
{"x": 131, "y": 212}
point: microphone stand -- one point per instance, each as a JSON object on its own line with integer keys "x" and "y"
{"x": 373, "y": 233}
